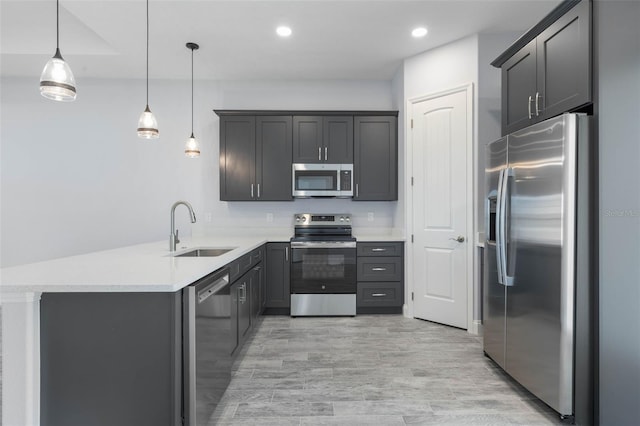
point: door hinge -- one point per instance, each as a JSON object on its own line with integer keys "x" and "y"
{"x": 411, "y": 237}
{"x": 412, "y": 123}
{"x": 411, "y": 296}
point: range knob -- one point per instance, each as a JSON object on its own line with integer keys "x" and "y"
{"x": 348, "y": 219}
{"x": 304, "y": 218}
{"x": 341, "y": 218}
{"x": 297, "y": 218}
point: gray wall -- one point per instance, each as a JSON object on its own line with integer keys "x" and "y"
{"x": 617, "y": 44}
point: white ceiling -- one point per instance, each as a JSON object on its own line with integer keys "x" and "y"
{"x": 350, "y": 39}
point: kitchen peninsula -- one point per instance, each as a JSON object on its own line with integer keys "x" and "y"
{"x": 146, "y": 272}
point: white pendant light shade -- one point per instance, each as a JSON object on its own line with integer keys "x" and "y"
{"x": 56, "y": 81}
{"x": 192, "y": 147}
{"x": 147, "y": 125}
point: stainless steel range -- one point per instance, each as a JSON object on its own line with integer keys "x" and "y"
{"x": 323, "y": 266}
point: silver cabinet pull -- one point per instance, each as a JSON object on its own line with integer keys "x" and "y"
{"x": 286, "y": 254}
{"x": 378, "y": 269}
{"x": 325, "y": 153}
{"x": 459, "y": 239}
{"x": 251, "y": 190}
{"x": 243, "y": 288}
{"x": 378, "y": 249}
{"x": 378, "y": 294}
{"x": 319, "y": 153}
{"x": 258, "y": 190}
{"x": 537, "y": 103}
{"x": 529, "y": 107}
{"x": 357, "y": 190}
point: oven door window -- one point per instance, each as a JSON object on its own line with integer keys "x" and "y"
{"x": 317, "y": 180}
{"x": 323, "y": 270}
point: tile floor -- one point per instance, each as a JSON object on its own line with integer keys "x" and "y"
{"x": 371, "y": 370}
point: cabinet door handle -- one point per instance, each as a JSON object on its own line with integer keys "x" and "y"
{"x": 243, "y": 297}
{"x": 357, "y": 190}
{"x": 319, "y": 153}
{"x": 286, "y": 254}
{"x": 529, "y": 107}
{"x": 251, "y": 190}
{"x": 378, "y": 269}
{"x": 258, "y": 190}
{"x": 537, "y": 103}
{"x": 325, "y": 153}
{"x": 378, "y": 249}
{"x": 378, "y": 294}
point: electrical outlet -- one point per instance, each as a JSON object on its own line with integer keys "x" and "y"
{"x": 269, "y": 217}
{"x": 370, "y": 216}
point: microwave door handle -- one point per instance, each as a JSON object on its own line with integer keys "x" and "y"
{"x": 499, "y": 228}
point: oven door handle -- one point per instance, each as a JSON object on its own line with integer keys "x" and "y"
{"x": 322, "y": 245}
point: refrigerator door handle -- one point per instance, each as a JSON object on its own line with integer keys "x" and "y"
{"x": 506, "y": 198}
{"x": 499, "y": 228}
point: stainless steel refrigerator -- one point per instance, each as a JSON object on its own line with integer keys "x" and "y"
{"x": 537, "y": 280}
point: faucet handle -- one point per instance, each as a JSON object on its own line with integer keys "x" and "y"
{"x": 177, "y": 240}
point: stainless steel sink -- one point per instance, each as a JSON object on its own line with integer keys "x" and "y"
{"x": 205, "y": 252}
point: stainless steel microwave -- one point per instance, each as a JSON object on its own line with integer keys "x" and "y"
{"x": 322, "y": 180}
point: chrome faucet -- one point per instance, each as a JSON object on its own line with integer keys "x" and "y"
{"x": 173, "y": 239}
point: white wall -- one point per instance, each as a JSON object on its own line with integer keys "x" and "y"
{"x": 617, "y": 45}
{"x": 75, "y": 178}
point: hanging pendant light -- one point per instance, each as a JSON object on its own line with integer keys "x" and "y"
{"x": 192, "y": 147}
{"x": 56, "y": 81}
{"x": 147, "y": 124}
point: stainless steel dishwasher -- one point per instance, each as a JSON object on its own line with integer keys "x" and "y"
{"x": 207, "y": 346}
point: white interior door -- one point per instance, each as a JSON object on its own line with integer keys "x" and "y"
{"x": 440, "y": 208}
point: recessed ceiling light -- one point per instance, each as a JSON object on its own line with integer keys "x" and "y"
{"x": 283, "y": 31}
{"x": 419, "y": 32}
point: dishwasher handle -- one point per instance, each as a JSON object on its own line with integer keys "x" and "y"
{"x": 211, "y": 284}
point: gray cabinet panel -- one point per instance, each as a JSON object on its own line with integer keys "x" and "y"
{"x": 564, "y": 62}
{"x": 375, "y": 158}
{"x": 519, "y": 88}
{"x": 274, "y": 146}
{"x": 380, "y": 249}
{"x": 110, "y": 359}
{"x": 278, "y": 275}
{"x": 338, "y": 140}
{"x": 237, "y": 157}
{"x": 379, "y": 268}
{"x": 378, "y": 294}
{"x": 307, "y": 139}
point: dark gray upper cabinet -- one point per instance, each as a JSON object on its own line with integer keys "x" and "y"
{"x": 551, "y": 74}
{"x": 278, "y": 275}
{"x": 273, "y": 158}
{"x": 307, "y": 139}
{"x": 338, "y": 139}
{"x": 323, "y": 139}
{"x": 255, "y": 158}
{"x": 375, "y": 158}
{"x": 237, "y": 158}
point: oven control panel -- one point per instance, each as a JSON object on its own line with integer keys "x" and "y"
{"x": 324, "y": 219}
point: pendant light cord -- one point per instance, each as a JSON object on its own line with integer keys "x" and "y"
{"x": 147, "y": 54}
{"x": 57, "y": 24}
{"x": 191, "y": 92}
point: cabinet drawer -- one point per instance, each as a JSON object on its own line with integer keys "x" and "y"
{"x": 380, "y": 249}
{"x": 239, "y": 266}
{"x": 379, "y": 269}
{"x": 257, "y": 255}
{"x": 380, "y": 294}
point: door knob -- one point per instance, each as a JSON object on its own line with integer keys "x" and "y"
{"x": 460, "y": 239}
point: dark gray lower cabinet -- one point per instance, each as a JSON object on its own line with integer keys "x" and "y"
{"x": 111, "y": 359}
{"x": 380, "y": 277}
{"x": 278, "y": 277}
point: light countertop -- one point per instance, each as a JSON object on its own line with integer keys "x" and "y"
{"x": 139, "y": 268}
